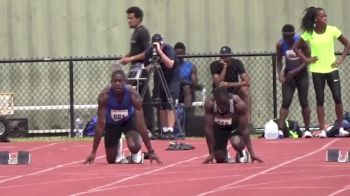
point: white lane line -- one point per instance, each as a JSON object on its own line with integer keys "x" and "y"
{"x": 168, "y": 182}
{"x": 226, "y": 187}
{"x": 101, "y": 188}
{"x": 40, "y": 147}
{"x": 340, "y": 190}
{"x": 48, "y": 169}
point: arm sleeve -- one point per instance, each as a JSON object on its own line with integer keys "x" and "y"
{"x": 240, "y": 66}
{"x": 306, "y": 36}
{"x": 169, "y": 52}
{"x": 144, "y": 39}
{"x": 336, "y": 32}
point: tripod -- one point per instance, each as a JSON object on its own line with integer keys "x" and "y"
{"x": 156, "y": 69}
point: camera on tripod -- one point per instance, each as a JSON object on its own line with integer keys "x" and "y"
{"x": 155, "y": 55}
{"x": 154, "y": 50}
{"x": 156, "y": 38}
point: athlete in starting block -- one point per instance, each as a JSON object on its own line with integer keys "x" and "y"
{"x": 120, "y": 110}
{"x": 226, "y": 119}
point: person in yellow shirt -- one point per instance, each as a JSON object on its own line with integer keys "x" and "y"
{"x": 323, "y": 64}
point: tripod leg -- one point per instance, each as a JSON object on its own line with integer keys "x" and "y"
{"x": 169, "y": 97}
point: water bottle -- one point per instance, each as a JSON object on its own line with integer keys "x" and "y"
{"x": 78, "y": 128}
{"x": 176, "y": 103}
{"x": 203, "y": 93}
{"x": 271, "y": 130}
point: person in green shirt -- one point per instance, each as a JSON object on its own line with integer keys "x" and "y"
{"x": 323, "y": 64}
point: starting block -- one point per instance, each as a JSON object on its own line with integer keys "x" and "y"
{"x": 18, "y": 158}
{"x": 335, "y": 155}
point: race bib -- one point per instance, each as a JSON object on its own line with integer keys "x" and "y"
{"x": 118, "y": 115}
{"x": 291, "y": 55}
{"x": 223, "y": 121}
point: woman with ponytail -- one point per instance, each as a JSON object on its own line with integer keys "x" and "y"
{"x": 323, "y": 64}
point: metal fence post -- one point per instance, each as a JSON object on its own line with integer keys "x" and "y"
{"x": 274, "y": 83}
{"x": 71, "y": 98}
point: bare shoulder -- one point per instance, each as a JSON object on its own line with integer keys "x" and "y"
{"x": 236, "y": 98}
{"x": 132, "y": 90}
{"x": 239, "y": 103}
{"x": 279, "y": 43}
{"x": 209, "y": 103}
{"x": 103, "y": 97}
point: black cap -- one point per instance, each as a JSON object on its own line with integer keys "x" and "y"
{"x": 225, "y": 50}
{"x": 157, "y": 38}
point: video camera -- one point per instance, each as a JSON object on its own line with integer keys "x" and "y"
{"x": 156, "y": 38}
{"x": 154, "y": 46}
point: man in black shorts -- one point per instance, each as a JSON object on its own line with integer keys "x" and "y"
{"x": 120, "y": 110}
{"x": 226, "y": 119}
{"x": 166, "y": 57}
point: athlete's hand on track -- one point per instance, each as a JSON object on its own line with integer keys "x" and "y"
{"x": 209, "y": 159}
{"x": 253, "y": 157}
{"x": 153, "y": 157}
{"x": 90, "y": 159}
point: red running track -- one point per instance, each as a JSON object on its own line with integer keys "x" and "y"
{"x": 292, "y": 167}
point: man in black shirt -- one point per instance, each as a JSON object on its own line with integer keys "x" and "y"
{"x": 166, "y": 57}
{"x": 140, "y": 41}
{"x": 230, "y": 73}
{"x": 140, "y": 38}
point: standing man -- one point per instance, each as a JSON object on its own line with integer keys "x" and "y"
{"x": 294, "y": 75}
{"x": 164, "y": 54}
{"x": 119, "y": 110}
{"x": 230, "y": 73}
{"x": 139, "y": 42}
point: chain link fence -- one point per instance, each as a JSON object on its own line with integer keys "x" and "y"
{"x": 52, "y": 93}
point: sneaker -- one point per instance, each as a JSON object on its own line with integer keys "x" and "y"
{"x": 149, "y": 133}
{"x": 243, "y": 159}
{"x": 323, "y": 134}
{"x": 229, "y": 159}
{"x": 142, "y": 158}
{"x": 343, "y": 133}
{"x": 280, "y": 134}
{"x": 170, "y": 135}
{"x": 121, "y": 159}
{"x": 307, "y": 134}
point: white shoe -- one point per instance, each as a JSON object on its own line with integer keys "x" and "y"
{"x": 229, "y": 158}
{"x": 280, "y": 134}
{"x": 120, "y": 158}
{"x": 307, "y": 134}
{"x": 244, "y": 159}
{"x": 343, "y": 133}
{"x": 323, "y": 134}
{"x": 137, "y": 158}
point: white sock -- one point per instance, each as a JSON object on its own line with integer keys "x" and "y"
{"x": 136, "y": 158}
{"x": 165, "y": 129}
{"x": 120, "y": 147}
{"x": 170, "y": 129}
